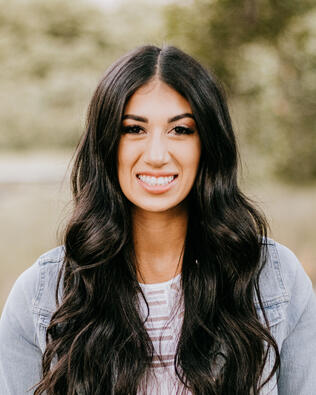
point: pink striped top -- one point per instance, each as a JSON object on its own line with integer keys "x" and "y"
{"x": 163, "y": 324}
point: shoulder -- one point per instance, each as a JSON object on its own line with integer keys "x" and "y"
{"x": 48, "y": 267}
{"x": 289, "y": 304}
{"x": 36, "y": 285}
{"x": 284, "y": 286}
{"x": 282, "y": 272}
{"x": 32, "y": 301}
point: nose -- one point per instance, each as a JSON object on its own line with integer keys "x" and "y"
{"x": 156, "y": 150}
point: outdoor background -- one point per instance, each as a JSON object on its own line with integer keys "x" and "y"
{"x": 53, "y": 53}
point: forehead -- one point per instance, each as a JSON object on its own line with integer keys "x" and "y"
{"x": 156, "y": 96}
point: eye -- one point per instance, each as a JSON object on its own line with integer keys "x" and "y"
{"x": 183, "y": 130}
{"x": 132, "y": 129}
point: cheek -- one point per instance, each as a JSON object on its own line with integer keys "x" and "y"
{"x": 191, "y": 158}
{"x": 125, "y": 157}
{"x": 128, "y": 154}
{"x": 122, "y": 164}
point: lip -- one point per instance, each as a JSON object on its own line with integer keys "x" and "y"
{"x": 156, "y": 174}
{"x": 157, "y": 189}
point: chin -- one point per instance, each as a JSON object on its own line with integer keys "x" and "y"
{"x": 158, "y": 207}
{"x": 154, "y": 209}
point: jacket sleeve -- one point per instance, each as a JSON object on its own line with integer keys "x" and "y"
{"x": 20, "y": 354}
{"x": 298, "y": 351}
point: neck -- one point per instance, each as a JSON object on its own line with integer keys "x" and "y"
{"x": 159, "y": 242}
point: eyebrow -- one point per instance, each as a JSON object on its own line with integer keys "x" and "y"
{"x": 172, "y": 119}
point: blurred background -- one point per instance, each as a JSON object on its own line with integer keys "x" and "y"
{"x": 53, "y": 53}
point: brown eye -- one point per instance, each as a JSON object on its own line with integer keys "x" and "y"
{"x": 134, "y": 129}
{"x": 183, "y": 130}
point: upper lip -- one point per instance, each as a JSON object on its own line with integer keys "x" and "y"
{"x": 156, "y": 174}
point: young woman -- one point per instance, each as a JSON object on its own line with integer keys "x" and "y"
{"x": 166, "y": 283}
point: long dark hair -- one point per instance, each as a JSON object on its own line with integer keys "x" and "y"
{"x": 96, "y": 340}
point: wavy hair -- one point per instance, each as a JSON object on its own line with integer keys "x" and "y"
{"x": 96, "y": 339}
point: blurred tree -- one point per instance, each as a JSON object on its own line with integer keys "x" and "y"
{"x": 265, "y": 51}
{"x": 52, "y": 53}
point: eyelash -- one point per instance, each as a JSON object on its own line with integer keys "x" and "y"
{"x": 134, "y": 129}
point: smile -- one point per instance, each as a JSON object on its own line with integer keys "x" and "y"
{"x": 157, "y": 185}
{"x": 153, "y": 181}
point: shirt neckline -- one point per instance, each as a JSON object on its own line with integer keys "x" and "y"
{"x": 161, "y": 284}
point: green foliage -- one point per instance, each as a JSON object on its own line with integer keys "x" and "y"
{"x": 48, "y": 63}
{"x": 265, "y": 52}
{"x": 52, "y": 53}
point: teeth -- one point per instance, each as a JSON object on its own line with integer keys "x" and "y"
{"x": 156, "y": 180}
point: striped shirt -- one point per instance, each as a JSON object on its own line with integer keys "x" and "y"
{"x": 166, "y": 310}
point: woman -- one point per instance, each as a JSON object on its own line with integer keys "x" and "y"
{"x": 166, "y": 282}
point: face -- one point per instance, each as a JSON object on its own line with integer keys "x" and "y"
{"x": 159, "y": 149}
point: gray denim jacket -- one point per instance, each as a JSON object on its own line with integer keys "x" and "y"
{"x": 287, "y": 295}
